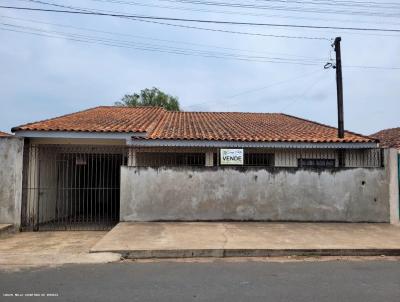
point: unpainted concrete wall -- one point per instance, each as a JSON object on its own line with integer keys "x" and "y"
{"x": 394, "y": 187}
{"x": 11, "y": 158}
{"x": 351, "y": 195}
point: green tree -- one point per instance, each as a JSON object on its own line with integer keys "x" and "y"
{"x": 150, "y": 97}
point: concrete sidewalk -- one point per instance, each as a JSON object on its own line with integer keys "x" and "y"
{"x": 27, "y": 249}
{"x": 235, "y": 239}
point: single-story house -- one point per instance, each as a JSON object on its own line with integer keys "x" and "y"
{"x": 389, "y": 138}
{"x": 93, "y": 168}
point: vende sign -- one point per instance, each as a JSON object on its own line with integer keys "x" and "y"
{"x": 231, "y": 157}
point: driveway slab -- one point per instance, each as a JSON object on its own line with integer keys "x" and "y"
{"x": 235, "y": 239}
{"x": 51, "y": 248}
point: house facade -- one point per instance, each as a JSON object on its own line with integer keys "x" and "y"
{"x": 389, "y": 138}
{"x": 93, "y": 168}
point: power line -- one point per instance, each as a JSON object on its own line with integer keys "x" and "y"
{"x": 102, "y": 39}
{"x": 190, "y": 26}
{"x": 202, "y": 28}
{"x": 252, "y": 33}
{"x": 236, "y": 5}
{"x": 341, "y": 2}
{"x": 232, "y": 31}
{"x": 241, "y": 13}
{"x": 161, "y": 40}
{"x": 367, "y": 4}
{"x": 172, "y": 50}
{"x": 152, "y": 47}
{"x": 305, "y": 61}
{"x": 357, "y": 5}
{"x": 203, "y": 20}
{"x": 372, "y": 67}
{"x": 300, "y": 97}
{"x": 338, "y": 3}
{"x": 301, "y": 8}
{"x": 302, "y": 76}
{"x": 276, "y": 83}
{"x": 269, "y": 4}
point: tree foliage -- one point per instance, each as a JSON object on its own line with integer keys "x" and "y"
{"x": 150, "y": 97}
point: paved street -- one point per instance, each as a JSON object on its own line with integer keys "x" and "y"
{"x": 218, "y": 280}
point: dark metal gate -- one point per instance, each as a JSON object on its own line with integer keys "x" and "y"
{"x": 71, "y": 187}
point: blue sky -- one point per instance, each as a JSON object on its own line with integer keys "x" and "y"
{"x": 43, "y": 77}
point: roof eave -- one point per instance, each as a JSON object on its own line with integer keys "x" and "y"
{"x": 79, "y": 134}
{"x": 248, "y": 144}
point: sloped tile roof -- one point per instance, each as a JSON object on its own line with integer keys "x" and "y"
{"x": 226, "y": 126}
{"x": 389, "y": 138}
{"x": 100, "y": 119}
{"x": 3, "y": 134}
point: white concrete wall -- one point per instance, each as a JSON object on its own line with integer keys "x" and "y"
{"x": 11, "y": 158}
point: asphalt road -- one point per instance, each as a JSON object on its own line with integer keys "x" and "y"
{"x": 215, "y": 281}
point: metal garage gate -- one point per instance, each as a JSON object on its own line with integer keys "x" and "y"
{"x": 71, "y": 187}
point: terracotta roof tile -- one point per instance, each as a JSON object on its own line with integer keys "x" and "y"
{"x": 389, "y": 138}
{"x": 3, "y": 134}
{"x": 240, "y": 126}
{"x": 228, "y": 126}
{"x": 100, "y": 119}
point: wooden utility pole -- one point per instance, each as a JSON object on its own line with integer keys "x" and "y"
{"x": 339, "y": 86}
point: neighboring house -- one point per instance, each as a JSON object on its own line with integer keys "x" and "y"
{"x": 196, "y": 166}
{"x": 389, "y": 138}
{"x": 3, "y": 134}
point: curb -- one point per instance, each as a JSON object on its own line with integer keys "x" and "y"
{"x": 221, "y": 253}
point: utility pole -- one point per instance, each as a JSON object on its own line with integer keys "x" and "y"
{"x": 339, "y": 86}
{"x": 339, "y": 90}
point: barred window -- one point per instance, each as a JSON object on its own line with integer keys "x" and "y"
{"x": 316, "y": 163}
{"x": 171, "y": 159}
{"x": 259, "y": 159}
